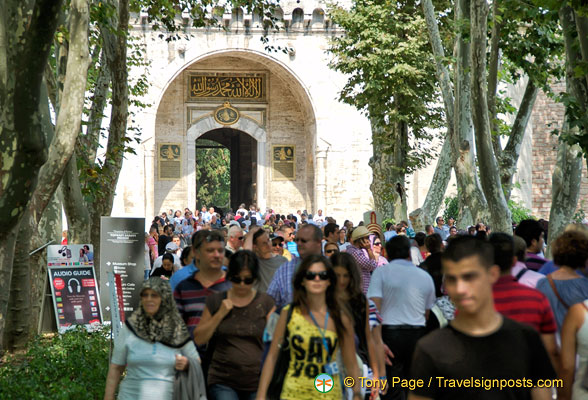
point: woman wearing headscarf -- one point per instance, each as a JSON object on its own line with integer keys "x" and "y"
{"x": 153, "y": 344}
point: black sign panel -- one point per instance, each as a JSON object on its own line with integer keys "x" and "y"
{"x": 122, "y": 251}
{"x": 75, "y": 296}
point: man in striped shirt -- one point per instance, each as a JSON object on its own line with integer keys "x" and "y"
{"x": 367, "y": 263}
{"x": 191, "y": 293}
{"x": 520, "y": 302}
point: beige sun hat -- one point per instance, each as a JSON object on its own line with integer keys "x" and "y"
{"x": 359, "y": 232}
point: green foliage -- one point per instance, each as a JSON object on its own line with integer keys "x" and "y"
{"x": 451, "y": 208}
{"x": 385, "y": 221}
{"x": 69, "y": 366}
{"x": 519, "y": 212}
{"x": 386, "y": 54}
{"x": 213, "y": 175}
{"x": 580, "y": 215}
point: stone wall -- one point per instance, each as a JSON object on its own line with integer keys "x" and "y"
{"x": 547, "y": 116}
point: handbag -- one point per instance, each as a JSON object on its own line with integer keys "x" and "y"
{"x": 584, "y": 382}
{"x": 274, "y": 389}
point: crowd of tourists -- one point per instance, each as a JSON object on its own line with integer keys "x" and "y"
{"x": 257, "y": 306}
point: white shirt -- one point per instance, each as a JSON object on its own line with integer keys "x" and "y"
{"x": 406, "y": 292}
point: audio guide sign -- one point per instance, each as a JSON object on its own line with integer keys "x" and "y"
{"x": 73, "y": 286}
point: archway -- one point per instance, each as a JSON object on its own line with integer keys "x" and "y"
{"x": 246, "y": 140}
{"x": 242, "y": 168}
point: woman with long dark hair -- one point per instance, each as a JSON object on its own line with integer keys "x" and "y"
{"x": 316, "y": 317}
{"x": 349, "y": 291}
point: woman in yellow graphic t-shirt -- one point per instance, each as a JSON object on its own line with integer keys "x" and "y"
{"x": 318, "y": 326}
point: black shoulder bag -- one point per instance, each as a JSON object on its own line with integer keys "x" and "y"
{"x": 282, "y": 363}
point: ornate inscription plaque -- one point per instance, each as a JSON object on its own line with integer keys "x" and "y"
{"x": 227, "y": 86}
{"x": 283, "y": 163}
{"x": 226, "y": 115}
{"x": 170, "y": 161}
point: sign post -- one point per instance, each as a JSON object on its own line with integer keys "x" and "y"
{"x": 76, "y": 299}
{"x": 122, "y": 251}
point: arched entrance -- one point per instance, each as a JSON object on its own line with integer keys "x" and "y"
{"x": 276, "y": 114}
{"x": 242, "y": 171}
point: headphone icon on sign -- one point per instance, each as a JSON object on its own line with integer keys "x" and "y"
{"x": 78, "y": 286}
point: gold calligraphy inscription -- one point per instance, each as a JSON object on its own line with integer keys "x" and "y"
{"x": 232, "y": 87}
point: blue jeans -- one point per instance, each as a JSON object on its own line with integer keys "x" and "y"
{"x": 147, "y": 272}
{"x": 222, "y": 392}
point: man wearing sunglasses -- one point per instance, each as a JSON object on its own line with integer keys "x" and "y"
{"x": 234, "y": 239}
{"x": 309, "y": 238}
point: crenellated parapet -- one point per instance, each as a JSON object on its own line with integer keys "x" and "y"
{"x": 293, "y": 16}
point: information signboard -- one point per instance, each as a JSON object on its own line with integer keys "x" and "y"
{"x": 76, "y": 299}
{"x": 122, "y": 251}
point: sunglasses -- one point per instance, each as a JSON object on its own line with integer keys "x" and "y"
{"x": 277, "y": 244}
{"x": 378, "y": 243}
{"x": 311, "y": 276}
{"x": 241, "y": 238}
{"x": 238, "y": 279}
{"x": 330, "y": 251}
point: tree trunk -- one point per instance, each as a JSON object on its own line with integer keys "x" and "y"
{"x": 469, "y": 190}
{"x": 49, "y": 229}
{"x": 7, "y": 244}
{"x": 565, "y": 188}
{"x": 500, "y": 217}
{"x": 17, "y": 329}
{"x": 76, "y": 209}
{"x": 71, "y": 106}
{"x": 510, "y": 156}
{"x": 427, "y": 213}
{"x": 382, "y": 184}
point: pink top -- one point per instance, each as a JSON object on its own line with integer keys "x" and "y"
{"x": 153, "y": 246}
{"x": 529, "y": 278}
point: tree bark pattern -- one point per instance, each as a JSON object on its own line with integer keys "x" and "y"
{"x": 500, "y": 217}
{"x": 565, "y": 188}
{"x": 434, "y": 199}
{"x": 508, "y": 159}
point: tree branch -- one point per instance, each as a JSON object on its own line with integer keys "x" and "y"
{"x": 91, "y": 139}
{"x": 68, "y": 123}
{"x": 426, "y": 214}
{"x": 493, "y": 76}
{"x": 489, "y": 173}
{"x": 573, "y": 56}
{"x": 439, "y": 53}
{"x": 582, "y": 26}
{"x": 510, "y": 156}
{"x": 115, "y": 47}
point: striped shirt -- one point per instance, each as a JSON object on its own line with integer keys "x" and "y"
{"x": 375, "y": 317}
{"x": 523, "y": 304}
{"x": 366, "y": 266}
{"x": 534, "y": 261}
{"x": 280, "y": 288}
{"x": 190, "y": 296}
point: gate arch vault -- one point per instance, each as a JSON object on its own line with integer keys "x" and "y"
{"x": 283, "y": 116}
{"x": 208, "y": 124}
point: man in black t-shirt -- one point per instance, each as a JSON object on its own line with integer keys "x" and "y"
{"x": 164, "y": 239}
{"x": 481, "y": 354}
